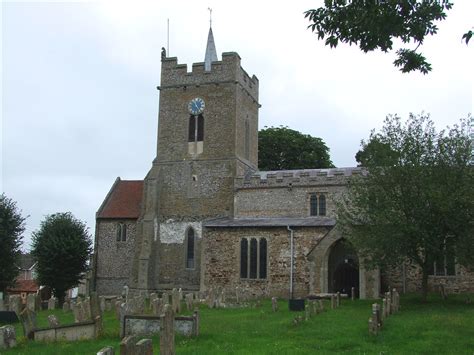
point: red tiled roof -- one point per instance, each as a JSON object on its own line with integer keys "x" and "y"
{"x": 123, "y": 201}
{"x": 24, "y": 286}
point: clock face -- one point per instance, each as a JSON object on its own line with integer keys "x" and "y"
{"x": 196, "y": 106}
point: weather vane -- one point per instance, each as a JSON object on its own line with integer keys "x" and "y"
{"x": 210, "y": 16}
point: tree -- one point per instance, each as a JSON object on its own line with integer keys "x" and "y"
{"x": 374, "y": 152}
{"x": 376, "y": 24}
{"x": 281, "y": 148}
{"x": 61, "y": 247}
{"x": 12, "y": 226}
{"x": 419, "y": 207}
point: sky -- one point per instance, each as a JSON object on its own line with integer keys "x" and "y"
{"x": 79, "y": 104}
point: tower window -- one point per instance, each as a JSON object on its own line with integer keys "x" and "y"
{"x": 121, "y": 232}
{"x": 317, "y": 205}
{"x": 190, "y": 249}
{"x": 253, "y": 258}
{"x": 196, "y": 128}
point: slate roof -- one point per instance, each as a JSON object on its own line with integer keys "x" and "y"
{"x": 270, "y": 222}
{"x": 123, "y": 200}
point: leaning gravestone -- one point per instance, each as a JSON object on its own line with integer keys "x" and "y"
{"x": 28, "y": 320}
{"x": 7, "y": 337}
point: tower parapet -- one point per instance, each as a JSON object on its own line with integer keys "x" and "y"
{"x": 307, "y": 177}
{"x": 228, "y": 70}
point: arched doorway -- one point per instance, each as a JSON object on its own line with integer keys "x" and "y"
{"x": 343, "y": 268}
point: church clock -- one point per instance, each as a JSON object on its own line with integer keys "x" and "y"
{"x": 196, "y": 106}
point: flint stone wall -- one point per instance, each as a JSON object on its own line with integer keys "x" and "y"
{"x": 114, "y": 261}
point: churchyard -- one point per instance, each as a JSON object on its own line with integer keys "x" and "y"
{"x": 266, "y": 326}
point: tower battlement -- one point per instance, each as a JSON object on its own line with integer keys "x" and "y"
{"x": 228, "y": 70}
{"x": 294, "y": 178}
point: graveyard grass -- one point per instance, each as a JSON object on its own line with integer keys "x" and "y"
{"x": 435, "y": 327}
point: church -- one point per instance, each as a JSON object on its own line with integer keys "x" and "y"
{"x": 205, "y": 216}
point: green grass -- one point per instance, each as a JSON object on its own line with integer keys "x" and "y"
{"x": 436, "y": 327}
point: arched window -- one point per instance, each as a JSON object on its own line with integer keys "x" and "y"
{"x": 190, "y": 249}
{"x": 121, "y": 232}
{"x": 322, "y": 205}
{"x": 196, "y": 128}
{"x": 244, "y": 245}
{"x": 313, "y": 205}
{"x": 263, "y": 259}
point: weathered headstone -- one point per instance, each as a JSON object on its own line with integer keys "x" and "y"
{"x": 144, "y": 347}
{"x": 66, "y": 307}
{"x": 31, "y": 302}
{"x": 167, "y": 332}
{"x": 28, "y": 321}
{"x": 125, "y": 293}
{"x": 102, "y": 304}
{"x": 94, "y": 305}
{"x": 175, "y": 301}
{"x": 78, "y": 311}
{"x": 7, "y": 337}
{"x": 52, "y": 303}
{"x": 395, "y": 301}
{"x": 274, "y": 304}
{"x": 165, "y": 297}
{"x": 307, "y": 314}
{"x": 118, "y": 306}
{"x": 321, "y": 305}
{"x": 376, "y": 316}
{"x": 189, "y": 301}
{"x": 353, "y": 293}
{"x": 157, "y": 306}
{"x": 338, "y": 299}
{"x": 128, "y": 344}
{"x": 388, "y": 297}
{"x": 333, "y": 302}
{"x": 108, "y": 350}
{"x": 180, "y": 292}
{"x": 86, "y": 306}
{"x": 53, "y": 321}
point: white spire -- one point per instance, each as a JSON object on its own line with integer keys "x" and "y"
{"x": 211, "y": 53}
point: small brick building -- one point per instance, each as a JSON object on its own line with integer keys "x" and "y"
{"x": 205, "y": 216}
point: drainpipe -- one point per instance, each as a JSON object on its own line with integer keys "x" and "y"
{"x": 291, "y": 260}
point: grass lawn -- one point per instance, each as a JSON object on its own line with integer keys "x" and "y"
{"x": 436, "y": 327}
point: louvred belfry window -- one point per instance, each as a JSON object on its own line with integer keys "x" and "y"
{"x": 196, "y": 128}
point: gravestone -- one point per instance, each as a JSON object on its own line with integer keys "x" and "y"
{"x": 125, "y": 293}
{"x": 86, "y": 308}
{"x": 127, "y": 345}
{"x": 144, "y": 347}
{"x": 189, "y": 301}
{"x": 307, "y": 314}
{"x": 321, "y": 305}
{"x": 28, "y": 321}
{"x": 66, "y": 307}
{"x": 167, "y": 332}
{"x": 165, "y": 297}
{"x": 180, "y": 292}
{"x": 198, "y": 321}
{"x": 118, "y": 306}
{"x": 7, "y": 337}
{"x": 51, "y": 303}
{"x": 333, "y": 302}
{"x": 53, "y": 321}
{"x": 237, "y": 294}
{"x": 353, "y": 293}
{"x": 274, "y": 304}
{"x": 108, "y": 350}
{"x": 338, "y": 299}
{"x": 175, "y": 301}
{"x": 156, "y": 306}
{"x": 78, "y": 311}
{"x": 31, "y": 302}
{"x": 94, "y": 305}
{"x": 102, "y": 304}
{"x": 14, "y": 304}
{"x": 388, "y": 297}
{"x": 384, "y": 309}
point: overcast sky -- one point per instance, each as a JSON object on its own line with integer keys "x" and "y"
{"x": 80, "y": 105}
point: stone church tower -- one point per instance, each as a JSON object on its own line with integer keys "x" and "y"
{"x": 207, "y": 135}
